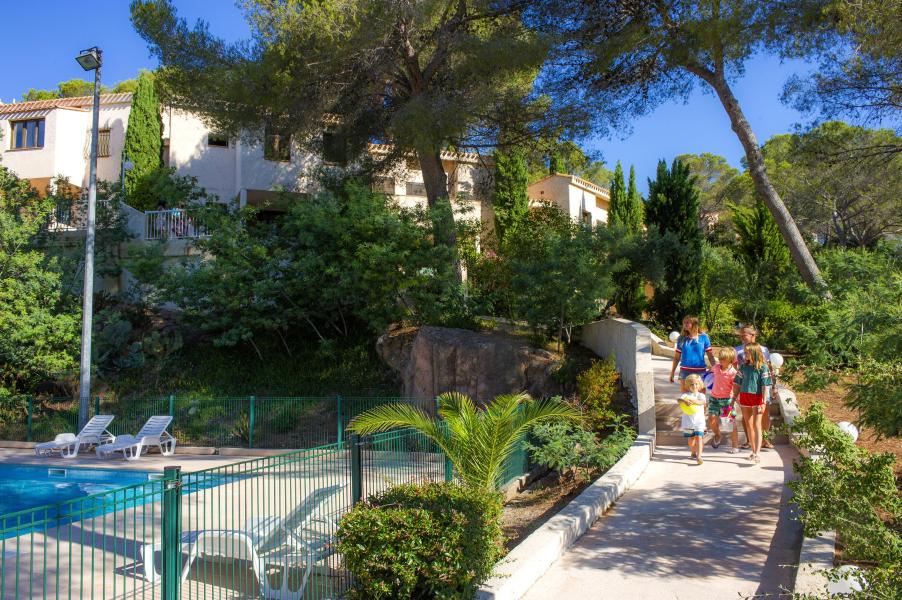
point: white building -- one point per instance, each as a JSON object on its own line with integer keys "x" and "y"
{"x": 578, "y": 198}
{"x": 49, "y": 138}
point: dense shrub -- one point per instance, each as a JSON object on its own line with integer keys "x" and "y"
{"x": 420, "y": 541}
{"x": 596, "y": 387}
{"x": 569, "y": 449}
{"x": 848, "y": 489}
{"x": 877, "y": 396}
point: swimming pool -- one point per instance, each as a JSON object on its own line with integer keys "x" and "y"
{"x": 28, "y": 486}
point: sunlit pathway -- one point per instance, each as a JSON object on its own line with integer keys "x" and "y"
{"x": 720, "y": 530}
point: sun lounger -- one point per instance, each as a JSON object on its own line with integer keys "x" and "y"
{"x": 286, "y": 542}
{"x": 94, "y": 433}
{"x": 152, "y": 434}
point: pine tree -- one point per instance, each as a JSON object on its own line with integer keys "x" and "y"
{"x": 510, "y": 200}
{"x": 625, "y": 215}
{"x": 673, "y": 208}
{"x": 143, "y": 138}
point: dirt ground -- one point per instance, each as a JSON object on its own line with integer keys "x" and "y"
{"x": 535, "y": 505}
{"x": 832, "y": 399}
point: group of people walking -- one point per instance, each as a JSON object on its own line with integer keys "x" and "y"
{"x": 732, "y": 377}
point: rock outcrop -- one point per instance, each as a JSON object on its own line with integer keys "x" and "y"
{"x": 432, "y": 360}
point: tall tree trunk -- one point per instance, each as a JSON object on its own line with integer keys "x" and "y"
{"x": 801, "y": 256}
{"x": 436, "y": 182}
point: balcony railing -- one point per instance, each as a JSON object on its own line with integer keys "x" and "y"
{"x": 175, "y": 223}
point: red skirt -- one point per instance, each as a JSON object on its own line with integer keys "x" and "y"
{"x": 747, "y": 399}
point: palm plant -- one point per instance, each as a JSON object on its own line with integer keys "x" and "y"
{"x": 478, "y": 441}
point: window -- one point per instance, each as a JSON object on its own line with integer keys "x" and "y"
{"x": 416, "y": 188}
{"x": 217, "y": 140}
{"x": 276, "y": 145}
{"x": 334, "y": 149}
{"x": 384, "y": 185}
{"x": 103, "y": 142}
{"x": 27, "y": 134}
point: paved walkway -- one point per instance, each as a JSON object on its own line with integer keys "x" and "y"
{"x": 720, "y": 530}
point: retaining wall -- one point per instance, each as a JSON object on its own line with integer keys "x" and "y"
{"x": 631, "y": 345}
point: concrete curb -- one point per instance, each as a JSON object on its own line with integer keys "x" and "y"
{"x": 816, "y": 554}
{"x": 815, "y": 557}
{"x": 526, "y": 563}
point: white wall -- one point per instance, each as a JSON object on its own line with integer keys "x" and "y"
{"x": 630, "y": 343}
{"x": 213, "y": 166}
{"x": 68, "y": 132}
{"x": 115, "y": 118}
{"x": 31, "y": 163}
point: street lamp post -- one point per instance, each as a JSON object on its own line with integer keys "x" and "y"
{"x": 90, "y": 60}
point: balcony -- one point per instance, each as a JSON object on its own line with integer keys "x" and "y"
{"x": 171, "y": 224}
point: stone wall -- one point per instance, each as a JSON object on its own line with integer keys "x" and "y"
{"x": 631, "y": 345}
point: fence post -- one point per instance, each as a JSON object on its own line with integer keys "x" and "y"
{"x": 172, "y": 547}
{"x": 356, "y": 470}
{"x": 96, "y": 405}
{"x": 250, "y": 425}
{"x": 340, "y": 423}
{"x": 30, "y": 416}
{"x": 171, "y": 405}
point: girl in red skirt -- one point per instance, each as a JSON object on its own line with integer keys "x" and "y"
{"x": 749, "y": 384}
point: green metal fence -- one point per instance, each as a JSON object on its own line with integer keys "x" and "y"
{"x": 261, "y": 528}
{"x": 234, "y": 422}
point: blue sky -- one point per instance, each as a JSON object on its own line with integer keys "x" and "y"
{"x": 43, "y": 54}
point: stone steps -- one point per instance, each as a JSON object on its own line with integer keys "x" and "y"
{"x": 668, "y": 417}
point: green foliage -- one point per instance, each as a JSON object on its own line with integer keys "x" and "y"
{"x": 570, "y": 449}
{"x": 162, "y": 188}
{"x": 332, "y": 263}
{"x": 559, "y": 271}
{"x": 422, "y": 541}
{"x": 877, "y": 396}
{"x": 843, "y": 184}
{"x": 144, "y": 135}
{"x": 673, "y": 208}
{"x": 447, "y": 75}
{"x": 625, "y": 217}
{"x": 864, "y": 319}
{"x": 719, "y": 273}
{"x": 510, "y": 201}
{"x": 763, "y": 255}
{"x": 38, "y": 319}
{"x": 717, "y": 185}
{"x": 851, "y": 491}
{"x": 596, "y": 387}
{"x": 65, "y": 89}
{"x": 477, "y": 441}
{"x": 555, "y": 156}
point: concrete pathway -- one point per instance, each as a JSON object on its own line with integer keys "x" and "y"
{"x": 721, "y": 530}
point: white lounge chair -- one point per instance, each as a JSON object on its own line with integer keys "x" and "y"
{"x": 152, "y": 434}
{"x": 304, "y": 537}
{"x": 94, "y": 433}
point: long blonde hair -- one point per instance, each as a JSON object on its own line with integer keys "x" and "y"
{"x": 754, "y": 355}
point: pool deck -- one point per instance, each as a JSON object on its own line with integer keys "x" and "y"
{"x": 149, "y": 462}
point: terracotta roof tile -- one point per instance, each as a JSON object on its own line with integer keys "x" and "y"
{"x": 83, "y": 102}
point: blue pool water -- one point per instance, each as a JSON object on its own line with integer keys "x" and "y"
{"x": 28, "y": 486}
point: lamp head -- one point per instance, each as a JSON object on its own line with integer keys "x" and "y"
{"x": 90, "y": 59}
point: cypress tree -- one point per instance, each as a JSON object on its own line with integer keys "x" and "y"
{"x": 510, "y": 200}
{"x": 624, "y": 214}
{"x": 618, "y": 207}
{"x": 673, "y": 208}
{"x": 637, "y": 207}
{"x": 143, "y": 138}
{"x": 761, "y": 248}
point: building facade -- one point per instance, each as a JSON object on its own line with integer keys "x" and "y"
{"x": 578, "y": 198}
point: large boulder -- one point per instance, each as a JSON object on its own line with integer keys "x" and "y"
{"x": 481, "y": 364}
